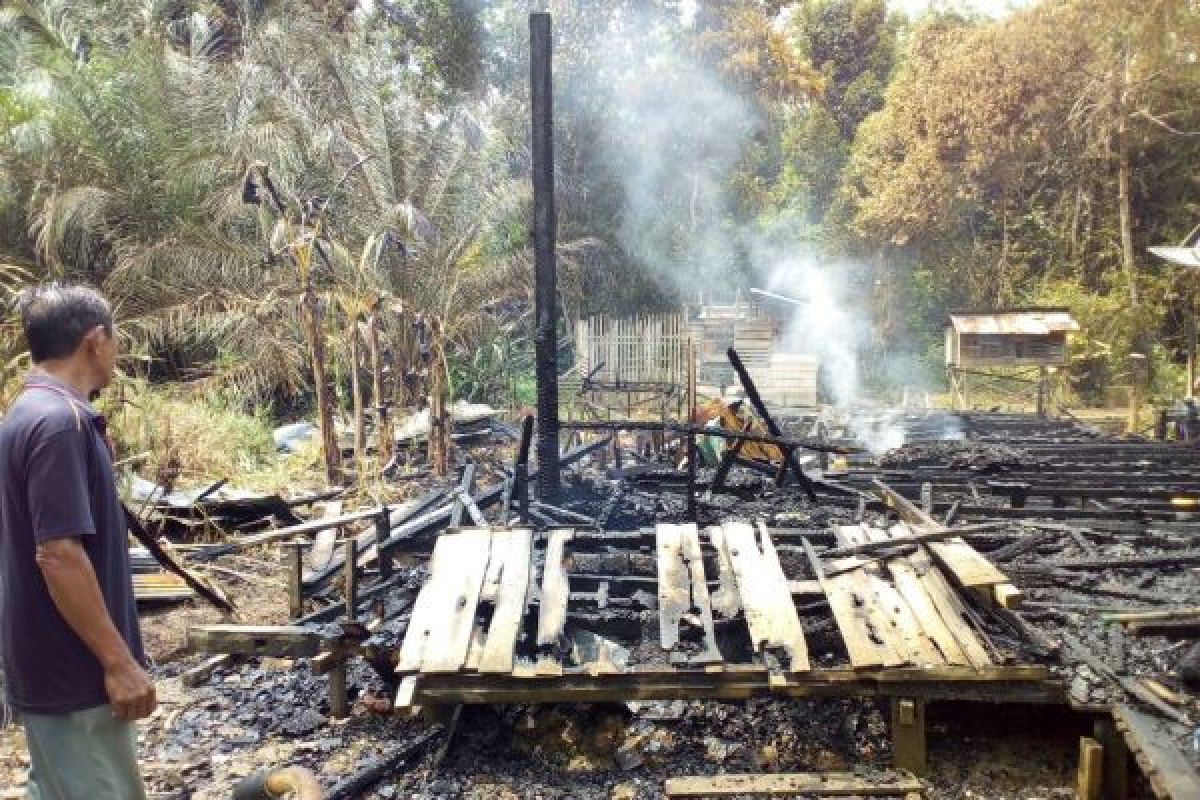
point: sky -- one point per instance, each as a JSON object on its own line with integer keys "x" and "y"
{"x": 994, "y": 7}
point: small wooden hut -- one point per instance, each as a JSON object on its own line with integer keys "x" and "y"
{"x": 990, "y": 343}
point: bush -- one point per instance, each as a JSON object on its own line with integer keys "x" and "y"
{"x": 187, "y": 438}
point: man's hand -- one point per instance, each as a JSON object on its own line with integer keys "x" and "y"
{"x": 130, "y": 691}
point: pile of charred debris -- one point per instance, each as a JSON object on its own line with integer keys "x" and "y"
{"x": 1093, "y": 630}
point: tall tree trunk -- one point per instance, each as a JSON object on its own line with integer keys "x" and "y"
{"x": 356, "y": 389}
{"x": 310, "y": 312}
{"x": 1124, "y": 179}
{"x": 387, "y": 438}
{"x": 1139, "y": 363}
{"x": 439, "y": 422}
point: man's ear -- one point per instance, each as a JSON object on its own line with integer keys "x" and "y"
{"x": 95, "y": 337}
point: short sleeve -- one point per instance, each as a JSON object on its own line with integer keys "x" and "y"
{"x": 59, "y": 503}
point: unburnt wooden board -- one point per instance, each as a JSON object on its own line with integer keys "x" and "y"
{"x": 552, "y": 611}
{"x": 506, "y": 587}
{"x": 683, "y": 594}
{"x": 887, "y": 609}
{"x": 767, "y": 601}
{"x": 443, "y": 617}
{"x": 726, "y": 602}
{"x": 810, "y": 784}
{"x": 322, "y": 550}
{"x": 950, "y": 607}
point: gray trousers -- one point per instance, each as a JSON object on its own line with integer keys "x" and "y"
{"x": 84, "y": 755}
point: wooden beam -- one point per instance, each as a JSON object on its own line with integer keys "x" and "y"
{"x": 202, "y": 672}
{"x": 817, "y": 784}
{"x": 291, "y": 641}
{"x": 577, "y": 685}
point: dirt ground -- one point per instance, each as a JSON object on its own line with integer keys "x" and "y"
{"x": 271, "y": 712}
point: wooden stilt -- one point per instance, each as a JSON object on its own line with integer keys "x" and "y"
{"x": 339, "y": 699}
{"x": 1091, "y": 769}
{"x": 1116, "y": 760}
{"x": 908, "y": 735}
{"x": 295, "y": 584}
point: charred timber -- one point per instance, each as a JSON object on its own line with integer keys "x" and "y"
{"x": 699, "y": 430}
{"x": 541, "y": 93}
{"x": 789, "y": 458}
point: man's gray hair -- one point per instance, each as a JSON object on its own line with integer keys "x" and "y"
{"x": 57, "y": 317}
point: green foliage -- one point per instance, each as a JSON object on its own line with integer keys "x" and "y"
{"x": 498, "y": 370}
{"x": 188, "y": 437}
{"x": 959, "y": 161}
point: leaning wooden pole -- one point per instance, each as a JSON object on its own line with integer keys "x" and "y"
{"x": 541, "y": 83}
{"x": 311, "y": 315}
{"x": 439, "y": 412}
{"x": 789, "y": 458}
{"x": 356, "y": 398}
{"x": 387, "y": 438}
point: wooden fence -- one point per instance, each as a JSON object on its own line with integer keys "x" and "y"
{"x": 651, "y": 349}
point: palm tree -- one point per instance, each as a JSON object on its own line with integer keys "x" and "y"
{"x": 130, "y": 158}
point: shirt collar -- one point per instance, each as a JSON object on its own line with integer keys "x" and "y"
{"x": 34, "y": 379}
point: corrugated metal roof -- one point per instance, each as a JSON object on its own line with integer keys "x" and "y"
{"x": 1033, "y": 323}
{"x": 1180, "y": 256}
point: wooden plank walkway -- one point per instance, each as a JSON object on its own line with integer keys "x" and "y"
{"x": 497, "y": 605}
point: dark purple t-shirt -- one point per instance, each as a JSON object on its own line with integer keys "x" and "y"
{"x": 57, "y": 480}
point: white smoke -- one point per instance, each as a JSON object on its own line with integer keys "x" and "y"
{"x": 675, "y": 134}
{"x": 826, "y": 322}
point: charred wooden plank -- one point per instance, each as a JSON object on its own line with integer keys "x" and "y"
{"x": 685, "y": 611}
{"x": 552, "y": 611}
{"x": 1151, "y": 742}
{"x": 866, "y": 647}
{"x": 770, "y": 613}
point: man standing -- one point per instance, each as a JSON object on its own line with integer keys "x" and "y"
{"x": 72, "y": 652}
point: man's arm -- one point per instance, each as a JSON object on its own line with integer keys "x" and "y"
{"x": 76, "y": 593}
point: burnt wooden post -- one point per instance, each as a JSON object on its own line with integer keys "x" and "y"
{"x": 789, "y": 457}
{"x": 728, "y": 459}
{"x": 351, "y": 572}
{"x": 541, "y": 85}
{"x": 383, "y": 530}
{"x": 521, "y": 470}
{"x": 295, "y": 551}
{"x": 691, "y": 477}
{"x": 1041, "y": 392}
{"x": 339, "y": 699}
{"x": 692, "y": 452}
{"x": 1115, "y": 763}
